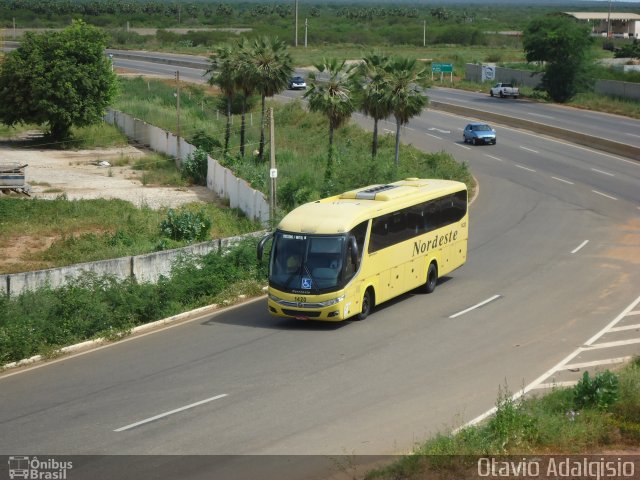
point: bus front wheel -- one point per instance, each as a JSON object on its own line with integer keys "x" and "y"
{"x": 367, "y": 305}
{"x": 432, "y": 278}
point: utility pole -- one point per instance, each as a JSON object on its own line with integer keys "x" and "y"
{"x": 609, "y": 21}
{"x": 178, "y": 141}
{"x": 424, "y": 33}
{"x": 178, "y": 100}
{"x": 273, "y": 172}
{"x": 296, "y": 15}
{"x": 306, "y": 26}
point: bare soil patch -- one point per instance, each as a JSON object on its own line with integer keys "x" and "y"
{"x": 79, "y": 174}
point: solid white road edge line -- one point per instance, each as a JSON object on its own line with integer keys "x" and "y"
{"x": 171, "y": 412}
{"x": 554, "y": 369}
{"x": 579, "y": 247}
{"x": 568, "y": 383}
{"x": 475, "y": 306}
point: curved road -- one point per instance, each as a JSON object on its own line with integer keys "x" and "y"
{"x": 551, "y": 280}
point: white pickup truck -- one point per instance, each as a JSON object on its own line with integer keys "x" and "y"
{"x": 504, "y": 90}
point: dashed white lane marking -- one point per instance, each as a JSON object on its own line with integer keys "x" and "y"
{"x": 529, "y": 149}
{"x": 434, "y": 136}
{"x": 603, "y": 172}
{"x": 171, "y": 412}
{"x": 526, "y": 168}
{"x": 563, "y": 180}
{"x": 495, "y": 158}
{"x": 604, "y": 195}
{"x": 495, "y": 297}
{"x": 579, "y": 247}
{"x": 538, "y": 381}
{"x": 538, "y": 115}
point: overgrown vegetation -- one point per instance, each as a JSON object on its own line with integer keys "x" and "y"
{"x": 599, "y": 413}
{"x": 42, "y": 321}
{"x": 301, "y": 138}
{"x": 88, "y": 230}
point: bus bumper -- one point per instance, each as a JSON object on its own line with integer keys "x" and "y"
{"x": 282, "y": 307}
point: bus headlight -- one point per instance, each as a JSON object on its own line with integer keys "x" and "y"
{"x": 333, "y": 301}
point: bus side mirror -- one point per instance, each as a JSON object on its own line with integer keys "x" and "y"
{"x": 264, "y": 240}
{"x": 354, "y": 251}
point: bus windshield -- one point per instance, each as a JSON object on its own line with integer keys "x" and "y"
{"x": 310, "y": 263}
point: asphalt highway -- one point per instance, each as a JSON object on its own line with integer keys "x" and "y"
{"x": 552, "y": 276}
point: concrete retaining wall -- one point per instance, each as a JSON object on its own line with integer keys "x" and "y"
{"x": 144, "y": 268}
{"x": 219, "y": 179}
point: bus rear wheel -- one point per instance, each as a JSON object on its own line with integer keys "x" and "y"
{"x": 432, "y": 278}
{"x": 367, "y": 305}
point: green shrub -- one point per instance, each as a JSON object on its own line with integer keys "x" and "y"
{"x": 599, "y": 392}
{"x": 206, "y": 142}
{"x": 186, "y": 225}
{"x": 195, "y": 167}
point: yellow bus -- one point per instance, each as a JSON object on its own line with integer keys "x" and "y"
{"x": 338, "y": 257}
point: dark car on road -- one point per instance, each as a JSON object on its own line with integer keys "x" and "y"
{"x": 479, "y": 134}
{"x": 297, "y": 83}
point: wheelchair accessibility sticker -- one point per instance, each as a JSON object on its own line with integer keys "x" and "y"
{"x": 306, "y": 283}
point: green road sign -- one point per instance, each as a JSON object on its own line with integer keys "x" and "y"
{"x": 441, "y": 68}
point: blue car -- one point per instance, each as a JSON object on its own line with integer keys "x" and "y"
{"x": 479, "y": 134}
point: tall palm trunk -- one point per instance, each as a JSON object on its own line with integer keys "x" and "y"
{"x": 227, "y": 133}
{"x": 328, "y": 173}
{"x": 264, "y": 110}
{"x": 243, "y": 125}
{"x": 397, "y": 142}
{"x": 374, "y": 143}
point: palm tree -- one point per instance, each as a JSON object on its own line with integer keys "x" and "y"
{"x": 332, "y": 98}
{"x": 369, "y": 87}
{"x": 404, "y": 75}
{"x": 246, "y": 82}
{"x": 272, "y": 66}
{"x": 223, "y": 70}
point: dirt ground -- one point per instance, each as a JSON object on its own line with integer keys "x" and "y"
{"x": 79, "y": 174}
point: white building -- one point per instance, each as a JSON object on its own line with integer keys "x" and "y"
{"x": 619, "y": 25}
